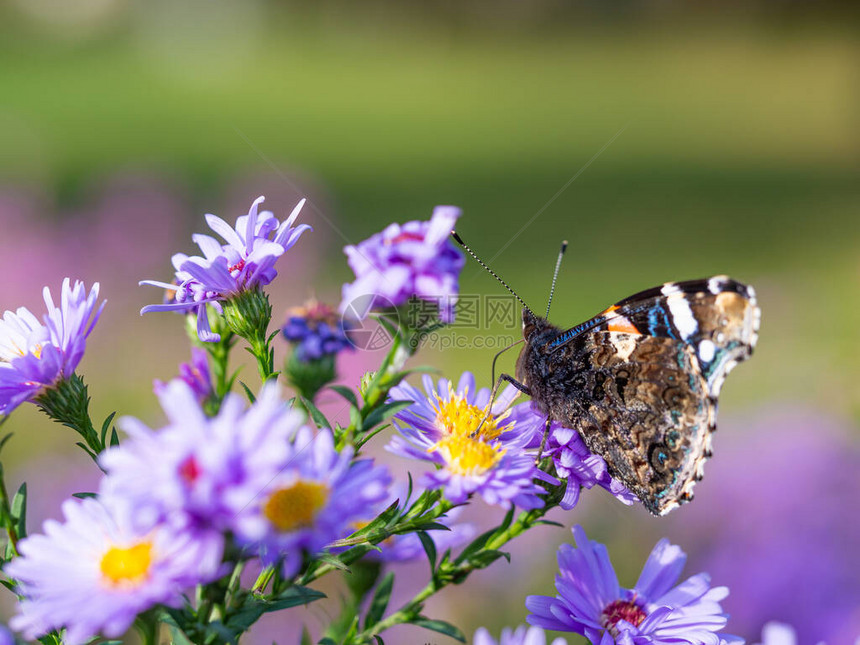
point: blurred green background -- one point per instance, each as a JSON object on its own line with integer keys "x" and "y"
{"x": 664, "y": 141}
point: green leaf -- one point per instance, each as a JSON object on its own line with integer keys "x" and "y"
{"x": 440, "y": 626}
{"x": 430, "y": 526}
{"x": 486, "y": 558}
{"x": 385, "y": 411}
{"x": 474, "y": 546}
{"x": 177, "y": 635}
{"x": 106, "y": 426}
{"x": 316, "y": 415}
{"x": 248, "y": 392}
{"x": 370, "y": 434}
{"x": 85, "y": 495}
{"x": 326, "y": 641}
{"x": 256, "y": 607}
{"x": 306, "y": 637}
{"x": 114, "y": 439}
{"x": 327, "y": 558}
{"x": 355, "y": 419}
{"x": 379, "y": 603}
{"x": 549, "y": 523}
{"x": 346, "y": 393}
{"x": 378, "y": 639}
{"x": 429, "y": 548}
{"x": 19, "y": 511}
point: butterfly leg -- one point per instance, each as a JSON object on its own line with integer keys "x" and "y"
{"x": 543, "y": 441}
{"x": 502, "y": 377}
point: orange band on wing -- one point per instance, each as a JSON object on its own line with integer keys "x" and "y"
{"x": 623, "y": 325}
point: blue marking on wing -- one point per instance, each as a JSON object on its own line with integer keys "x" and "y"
{"x": 570, "y": 333}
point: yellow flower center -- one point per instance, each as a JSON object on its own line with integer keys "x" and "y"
{"x": 456, "y": 416}
{"x": 467, "y": 456}
{"x": 123, "y": 567}
{"x": 295, "y": 507}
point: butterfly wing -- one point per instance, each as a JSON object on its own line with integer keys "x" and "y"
{"x": 717, "y": 317}
{"x": 640, "y": 381}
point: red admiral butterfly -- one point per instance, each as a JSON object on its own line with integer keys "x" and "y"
{"x": 639, "y": 381}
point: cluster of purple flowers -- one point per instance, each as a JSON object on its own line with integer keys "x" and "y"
{"x": 416, "y": 259}
{"x": 245, "y": 262}
{"x": 35, "y": 354}
{"x": 316, "y": 330}
{"x": 180, "y": 505}
{"x": 171, "y": 498}
{"x": 656, "y": 610}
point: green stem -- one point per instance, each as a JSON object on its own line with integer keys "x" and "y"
{"x": 265, "y": 358}
{"x": 456, "y": 573}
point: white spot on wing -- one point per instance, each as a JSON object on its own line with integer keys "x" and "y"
{"x": 670, "y": 288}
{"x": 707, "y": 350}
{"x": 715, "y": 284}
{"x": 682, "y": 315}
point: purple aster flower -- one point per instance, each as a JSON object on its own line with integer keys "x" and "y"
{"x": 199, "y": 470}
{"x": 196, "y": 375}
{"x": 442, "y": 427}
{"x": 522, "y": 635}
{"x": 574, "y": 462}
{"x": 789, "y": 477}
{"x": 245, "y": 262}
{"x": 415, "y": 259}
{"x": 316, "y": 330}
{"x": 94, "y": 573}
{"x": 36, "y": 355}
{"x": 309, "y": 503}
{"x": 591, "y": 602}
{"x": 275, "y": 484}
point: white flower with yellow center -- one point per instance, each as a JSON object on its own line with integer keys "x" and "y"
{"x": 94, "y": 573}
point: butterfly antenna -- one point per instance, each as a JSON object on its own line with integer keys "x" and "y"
{"x": 489, "y": 270}
{"x": 555, "y": 275}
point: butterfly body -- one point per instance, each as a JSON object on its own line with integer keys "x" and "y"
{"x": 639, "y": 382}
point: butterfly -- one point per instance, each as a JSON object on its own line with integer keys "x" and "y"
{"x": 640, "y": 381}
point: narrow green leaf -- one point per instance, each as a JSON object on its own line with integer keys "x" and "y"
{"x": 84, "y": 495}
{"x": 333, "y": 561}
{"x": 355, "y": 419}
{"x": 430, "y": 526}
{"x": 306, "y": 636}
{"x": 346, "y": 393}
{"x": 474, "y": 546}
{"x": 6, "y": 438}
{"x": 549, "y": 523}
{"x": 429, "y": 548}
{"x": 440, "y": 626}
{"x": 385, "y": 411}
{"x": 106, "y": 426}
{"x": 248, "y": 392}
{"x": 378, "y": 639}
{"x": 114, "y": 438}
{"x": 255, "y": 607}
{"x": 326, "y": 641}
{"x": 379, "y": 603}
{"x": 19, "y": 511}
{"x": 316, "y": 415}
